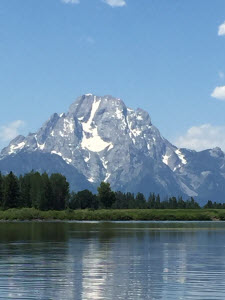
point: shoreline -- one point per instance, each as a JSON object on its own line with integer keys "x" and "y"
{"x": 121, "y": 215}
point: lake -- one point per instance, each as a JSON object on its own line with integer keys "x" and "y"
{"x": 129, "y": 260}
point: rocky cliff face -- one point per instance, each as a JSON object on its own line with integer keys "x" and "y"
{"x": 100, "y": 139}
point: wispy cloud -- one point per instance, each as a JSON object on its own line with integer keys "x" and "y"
{"x": 219, "y": 93}
{"x": 86, "y": 41}
{"x": 221, "y": 75}
{"x": 90, "y": 40}
{"x": 71, "y": 1}
{"x": 221, "y": 30}
{"x": 202, "y": 137}
{"x": 115, "y": 3}
{"x": 112, "y": 3}
{"x": 11, "y": 130}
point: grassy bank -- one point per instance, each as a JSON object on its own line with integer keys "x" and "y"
{"x": 115, "y": 215}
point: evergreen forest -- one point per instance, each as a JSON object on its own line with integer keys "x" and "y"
{"x": 52, "y": 192}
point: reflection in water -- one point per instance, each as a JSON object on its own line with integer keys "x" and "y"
{"x": 93, "y": 261}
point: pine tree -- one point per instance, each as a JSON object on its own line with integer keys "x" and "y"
{"x": 105, "y": 195}
{"x": 130, "y": 200}
{"x": 140, "y": 201}
{"x": 85, "y": 199}
{"x": 151, "y": 201}
{"x": 173, "y": 203}
{"x": 25, "y": 190}
{"x": 157, "y": 202}
{"x": 121, "y": 201}
{"x": 209, "y": 204}
{"x": 1, "y": 189}
{"x": 46, "y": 201}
{"x": 181, "y": 204}
{"x": 11, "y": 191}
{"x": 74, "y": 202}
{"x": 36, "y": 189}
{"x": 60, "y": 190}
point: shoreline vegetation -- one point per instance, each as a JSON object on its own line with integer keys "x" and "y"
{"x": 32, "y": 214}
{"x": 36, "y": 196}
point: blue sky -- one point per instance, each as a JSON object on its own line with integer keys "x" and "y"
{"x": 165, "y": 56}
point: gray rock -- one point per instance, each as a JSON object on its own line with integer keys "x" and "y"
{"x": 100, "y": 139}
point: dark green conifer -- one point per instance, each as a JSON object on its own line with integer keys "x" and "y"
{"x": 25, "y": 191}
{"x": 105, "y": 195}
{"x": 11, "y": 191}
{"x": 46, "y": 201}
{"x": 140, "y": 201}
{"x": 60, "y": 190}
{"x": 1, "y": 189}
{"x": 36, "y": 189}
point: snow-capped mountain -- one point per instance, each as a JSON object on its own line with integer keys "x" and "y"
{"x": 100, "y": 139}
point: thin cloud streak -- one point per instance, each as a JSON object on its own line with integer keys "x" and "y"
{"x": 112, "y": 3}
{"x": 71, "y": 1}
{"x": 115, "y": 3}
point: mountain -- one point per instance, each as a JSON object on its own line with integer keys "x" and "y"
{"x": 100, "y": 139}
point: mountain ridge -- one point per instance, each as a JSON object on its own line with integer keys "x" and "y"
{"x": 104, "y": 140}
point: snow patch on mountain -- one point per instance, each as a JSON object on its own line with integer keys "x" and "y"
{"x": 91, "y": 179}
{"x": 103, "y": 140}
{"x": 87, "y": 127}
{"x": 91, "y": 139}
{"x": 107, "y": 177}
{"x": 94, "y": 143}
{"x": 165, "y": 159}
{"x": 181, "y": 156}
{"x": 68, "y": 125}
{"x": 14, "y": 148}
{"x": 67, "y": 160}
{"x": 56, "y": 153}
{"x": 41, "y": 146}
{"x": 87, "y": 158}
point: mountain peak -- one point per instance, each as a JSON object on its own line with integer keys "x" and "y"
{"x": 217, "y": 152}
{"x": 104, "y": 140}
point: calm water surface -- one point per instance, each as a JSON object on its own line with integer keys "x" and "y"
{"x": 131, "y": 261}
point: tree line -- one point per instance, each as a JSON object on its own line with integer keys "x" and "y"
{"x": 36, "y": 190}
{"x": 52, "y": 192}
{"x": 214, "y": 205}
